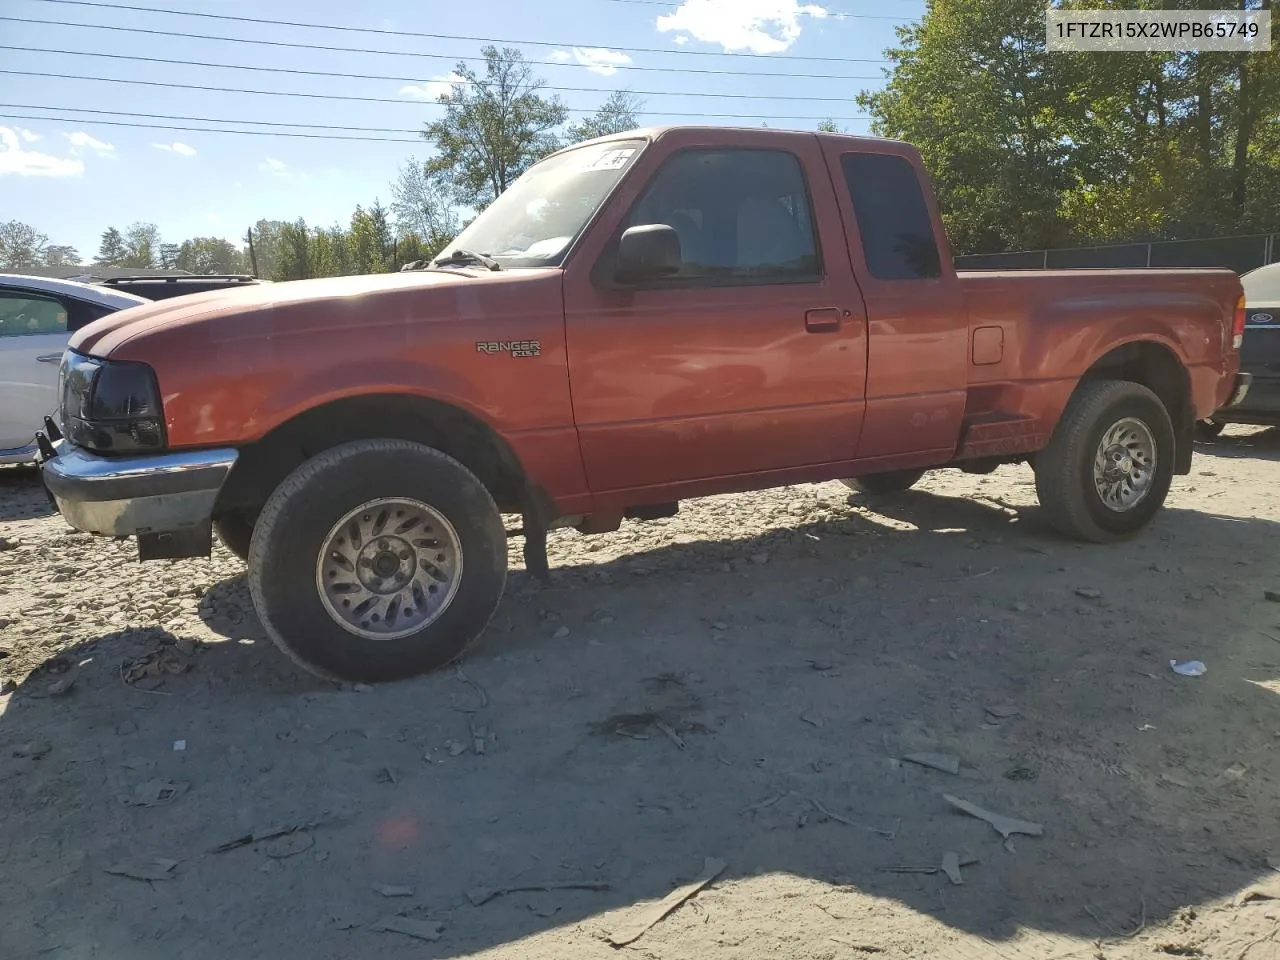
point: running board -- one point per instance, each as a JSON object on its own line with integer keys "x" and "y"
{"x": 999, "y": 434}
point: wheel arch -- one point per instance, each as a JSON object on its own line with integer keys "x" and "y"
{"x": 459, "y": 433}
{"x": 1157, "y": 367}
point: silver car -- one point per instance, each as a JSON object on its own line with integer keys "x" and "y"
{"x": 37, "y": 317}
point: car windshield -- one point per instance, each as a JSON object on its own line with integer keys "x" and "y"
{"x": 536, "y": 220}
{"x": 1262, "y": 286}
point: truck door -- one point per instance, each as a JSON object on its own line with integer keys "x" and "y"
{"x": 917, "y": 326}
{"x": 750, "y": 359}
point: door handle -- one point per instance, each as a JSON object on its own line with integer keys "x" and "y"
{"x": 49, "y": 358}
{"x": 822, "y": 320}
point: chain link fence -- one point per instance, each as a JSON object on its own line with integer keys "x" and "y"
{"x": 1241, "y": 254}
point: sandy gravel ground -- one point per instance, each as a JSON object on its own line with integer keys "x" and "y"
{"x": 742, "y": 682}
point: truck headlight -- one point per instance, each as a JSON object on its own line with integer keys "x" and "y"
{"x": 111, "y": 406}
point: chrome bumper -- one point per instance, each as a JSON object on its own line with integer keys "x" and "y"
{"x": 136, "y": 496}
{"x": 1240, "y": 390}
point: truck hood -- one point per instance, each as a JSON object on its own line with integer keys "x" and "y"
{"x": 261, "y": 309}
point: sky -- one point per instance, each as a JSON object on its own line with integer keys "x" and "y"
{"x": 74, "y": 159}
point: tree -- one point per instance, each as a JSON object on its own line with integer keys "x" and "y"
{"x": 364, "y": 243}
{"x": 22, "y": 246}
{"x": 293, "y": 259}
{"x": 268, "y": 245}
{"x": 494, "y": 128}
{"x": 829, "y": 126}
{"x": 169, "y": 255}
{"x": 974, "y": 89}
{"x": 111, "y": 251}
{"x": 1030, "y": 150}
{"x": 617, "y": 114}
{"x": 142, "y": 244}
{"x": 409, "y": 247}
{"x": 328, "y": 253}
{"x": 425, "y": 204}
{"x": 61, "y": 255}
{"x": 380, "y": 223}
{"x": 208, "y": 255}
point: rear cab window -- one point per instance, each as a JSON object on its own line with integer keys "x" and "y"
{"x": 892, "y": 217}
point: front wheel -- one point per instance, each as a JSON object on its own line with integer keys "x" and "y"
{"x": 1109, "y": 464}
{"x": 882, "y": 484}
{"x": 377, "y": 560}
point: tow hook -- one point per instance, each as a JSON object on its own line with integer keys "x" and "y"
{"x": 47, "y": 451}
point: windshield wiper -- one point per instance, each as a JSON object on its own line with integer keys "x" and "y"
{"x": 463, "y": 258}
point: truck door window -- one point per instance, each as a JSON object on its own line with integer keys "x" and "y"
{"x": 893, "y": 219}
{"x": 743, "y": 216}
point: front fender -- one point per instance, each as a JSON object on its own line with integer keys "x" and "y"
{"x": 369, "y": 378}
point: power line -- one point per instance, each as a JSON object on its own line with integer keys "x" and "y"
{"x": 402, "y": 100}
{"x": 170, "y": 116}
{"x": 330, "y": 126}
{"x": 243, "y": 133}
{"x": 827, "y": 15}
{"x": 374, "y": 76}
{"x": 426, "y": 36}
{"x": 166, "y": 126}
{"x": 329, "y": 48}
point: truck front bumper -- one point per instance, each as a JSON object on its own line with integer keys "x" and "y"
{"x": 168, "y": 494}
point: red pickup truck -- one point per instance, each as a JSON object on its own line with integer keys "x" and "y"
{"x": 656, "y": 315}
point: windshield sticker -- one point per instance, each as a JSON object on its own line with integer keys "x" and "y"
{"x": 611, "y": 160}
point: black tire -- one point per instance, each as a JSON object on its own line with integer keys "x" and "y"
{"x": 1209, "y": 429}
{"x": 236, "y": 532}
{"x": 302, "y": 513}
{"x": 1065, "y": 468}
{"x": 883, "y": 484}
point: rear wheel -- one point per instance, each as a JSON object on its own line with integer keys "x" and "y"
{"x": 1108, "y": 466}
{"x": 377, "y": 560}
{"x": 1209, "y": 429}
{"x": 881, "y": 484}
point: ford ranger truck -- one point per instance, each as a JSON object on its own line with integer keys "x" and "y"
{"x": 642, "y": 318}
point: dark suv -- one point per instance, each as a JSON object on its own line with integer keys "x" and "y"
{"x": 1259, "y": 355}
{"x": 162, "y": 288}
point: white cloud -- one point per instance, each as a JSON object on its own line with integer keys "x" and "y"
{"x": 599, "y": 60}
{"x": 433, "y": 89}
{"x": 30, "y": 136}
{"x": 277, "y": 168}
{"x": 28, "y": 163}
{"x": 681, "y": 40}
{"x": 81, "y": 141}
{"x": 756, "y": 26}
{"x": 181, "y": 149}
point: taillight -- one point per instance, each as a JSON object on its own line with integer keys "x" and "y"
{"x": 1237, "y": 324}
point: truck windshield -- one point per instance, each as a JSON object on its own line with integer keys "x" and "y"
{"x": 535, "y": 221}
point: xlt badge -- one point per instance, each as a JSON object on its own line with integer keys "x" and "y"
{"x": 517, "y": 348}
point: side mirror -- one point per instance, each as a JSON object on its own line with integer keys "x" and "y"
{"x": 648, "y": 252}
